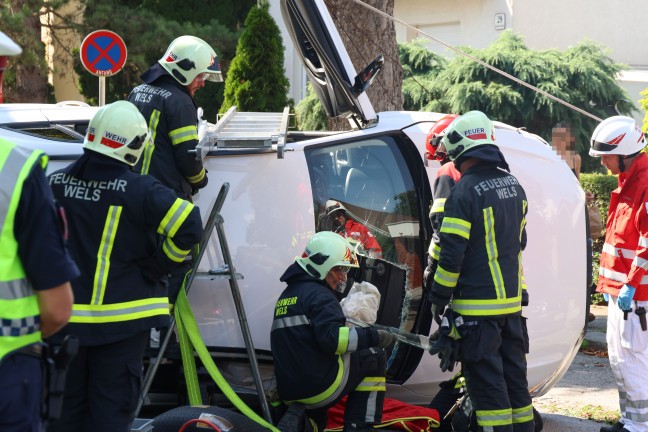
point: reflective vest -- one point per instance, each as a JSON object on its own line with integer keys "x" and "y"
{"x": 19, "y": 311}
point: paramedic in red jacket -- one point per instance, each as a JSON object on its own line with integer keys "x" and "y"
{"x": 623, "y": 272}
{"x": 349, "y": 228}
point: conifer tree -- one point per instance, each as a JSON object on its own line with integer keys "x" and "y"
{"x": 256, "y": 81}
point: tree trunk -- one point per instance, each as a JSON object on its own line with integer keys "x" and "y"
{"x": 367, "y": 34}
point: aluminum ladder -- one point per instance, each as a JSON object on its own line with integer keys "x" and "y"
{"x": 214, "y": 222}
{"x": 236, "y": 130}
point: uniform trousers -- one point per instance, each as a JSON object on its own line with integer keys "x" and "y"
{"x": 493, "y": 355}
{"x": 21, "y": 383}
{"x": 102, "y": 387}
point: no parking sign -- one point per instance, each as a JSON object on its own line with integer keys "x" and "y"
{"x": 103, "y": 53}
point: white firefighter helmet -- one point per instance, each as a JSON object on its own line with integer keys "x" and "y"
{"x": 189, "y": 56}
{"x": 324, "y": 251}
{"x": 332, "y": 206}
{"x": 119, "y": 131}
{"x": 618, "y": 135}
{"x": 466, "y": 132}
{"x": 8, "y": 47}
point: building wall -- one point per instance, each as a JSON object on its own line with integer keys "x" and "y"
{"x": 59, "y": 59}
{"x": 548, "y": 24}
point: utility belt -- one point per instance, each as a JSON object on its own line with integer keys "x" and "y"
{"x": 34, "y": 350}
{"x": 640, "y": 311}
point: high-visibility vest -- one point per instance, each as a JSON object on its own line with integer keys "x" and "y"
{"x": 19, "y": 313}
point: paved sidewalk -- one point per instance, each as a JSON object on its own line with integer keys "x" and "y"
{"x": 588, "y": 385}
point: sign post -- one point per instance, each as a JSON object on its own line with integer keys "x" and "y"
{"x": 103, "y": 53}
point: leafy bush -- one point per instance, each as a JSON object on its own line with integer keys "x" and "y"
{"x": 601, "y": 186}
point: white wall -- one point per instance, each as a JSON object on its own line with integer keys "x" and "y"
{"x": 292, "y": 62}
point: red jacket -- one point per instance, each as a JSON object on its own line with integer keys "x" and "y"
{"x": 624, "y": 258}
{"x": 356, "y": 231}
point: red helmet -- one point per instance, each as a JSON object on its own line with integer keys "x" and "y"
{"x": 434, "y": 137}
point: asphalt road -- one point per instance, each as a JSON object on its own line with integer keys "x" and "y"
{"x": 587, "y": 387}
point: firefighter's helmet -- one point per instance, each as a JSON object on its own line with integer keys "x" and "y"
{"x": 324, "y": 251}
{"x": 471, "y": 130}
{"x": 332, "y": 206}
{"x": 189, "y": 56}
{"x": 119, "y": 131}
{"x": 432, "y": 150}
{"x": 618, "y": 135}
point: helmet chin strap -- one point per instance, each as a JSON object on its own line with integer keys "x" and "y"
{"x": 621, "y": 164}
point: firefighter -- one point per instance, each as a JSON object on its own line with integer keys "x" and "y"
{"x": 318, "y": 359}
{"x": 166, "y": 100}
{"x": 480, "y": 269}
{"x": 35, "y": 270}
{"x": 126, "y": 231}
{"x": 623, "y": 274}
{"x": 357, "y": 233}
{"x": 446, "y": 177}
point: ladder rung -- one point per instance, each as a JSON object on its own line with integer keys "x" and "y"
{"x": 211, "y": 275}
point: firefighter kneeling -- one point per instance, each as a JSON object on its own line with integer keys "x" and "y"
{"x": 318, "y": 359}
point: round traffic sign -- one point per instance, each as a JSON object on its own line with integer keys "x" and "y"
{"x": 103, "y": 53}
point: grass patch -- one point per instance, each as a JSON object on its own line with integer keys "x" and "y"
{"x": 590, "y": 412}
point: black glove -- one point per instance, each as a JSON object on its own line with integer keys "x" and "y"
{"x": 385, "y": 338}
{"x": 195, "y": 187}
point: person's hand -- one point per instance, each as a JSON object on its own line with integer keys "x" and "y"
{"x": 437, "y": 312}
{"x": 589, "y": 197}
{"x": 625, "y": 297}
{"x": 525, "y": 297}
{"x": 385, "y": 338}
{"x": 606, "y": 297}
{"x": 428, "y": 275}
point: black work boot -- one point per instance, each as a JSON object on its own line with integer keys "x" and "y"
{"x": 617, "y": 427}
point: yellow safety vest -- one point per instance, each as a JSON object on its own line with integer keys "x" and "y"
{"x": 19, "y": 313}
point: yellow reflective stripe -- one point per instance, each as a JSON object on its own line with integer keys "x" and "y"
{"x": 434, "y": 250}
{"x": 332, "y": 388}
{"x": 371, "y": 384}
{"x": 501, "y": 417}
{"x": 521, "y": 280}
{"x": 173, "y": 252}
{"x": 523, "y": 223}
{"x": 438, "y": 205}
{"x": 445, "y": 277}
{"x": 456, "y": 226}
{"x": 103, "y": 254}
{"x": 343, "y": 340}
{"x": 175, "y": 217}
{"x": 183, "y": 134}
{"x": 149, "y": 147}
{"x": 523, "y": 415}
{"x": 116, "y": 312}
{"x": 487, "y": 307}
{"x": 491, "y": 250}
{"x": 198, "y": 177}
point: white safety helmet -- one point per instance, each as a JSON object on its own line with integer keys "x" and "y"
{"x": 471, "y": 130}
{"x": 8, "y": 47}
{"x": 618, "y": 135}
{"x": 119, "y": 131}
{"x": 332, "y": 206}
{"x": 189, "y": 56}
{"x": 324, "y": 251}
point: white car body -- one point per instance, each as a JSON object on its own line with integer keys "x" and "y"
{"x": 275, "y": 204}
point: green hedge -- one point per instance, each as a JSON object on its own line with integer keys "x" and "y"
{"x": 601, "y": 186}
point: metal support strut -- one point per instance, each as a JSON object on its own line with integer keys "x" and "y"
{"x": 215, "y": 221}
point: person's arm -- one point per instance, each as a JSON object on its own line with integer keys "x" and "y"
{"x": 55, "y": 306}
{"x": 183, "y": 132}
{"x": 577, "y": 165}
